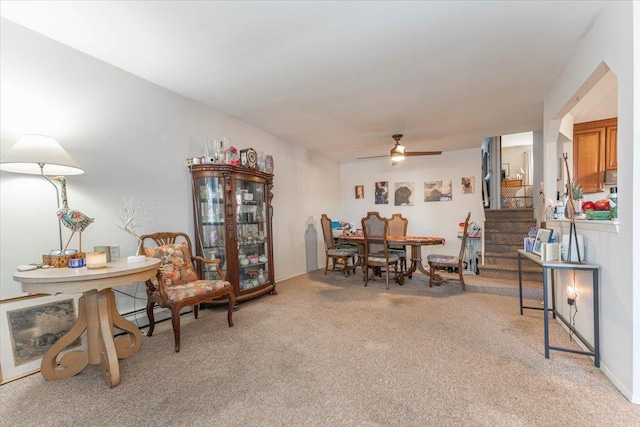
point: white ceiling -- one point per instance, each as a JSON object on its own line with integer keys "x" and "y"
{"x": 338, "y": 78}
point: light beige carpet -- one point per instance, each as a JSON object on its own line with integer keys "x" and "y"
{"x": 326, "y": 351}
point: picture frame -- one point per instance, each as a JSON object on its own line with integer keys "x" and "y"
{"x": 29, "y": 327}
{"x": 359, "y": 189}
{"x": 381, "y": 191}
{"x": 438, "y": 191}
{"x": 404, "y": 193}
{"x": 504, "y": 171}
{"x": 468, "y": 185}
{"x": 542, "y": 236}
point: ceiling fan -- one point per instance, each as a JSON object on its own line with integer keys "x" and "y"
{"x": 398, "y": 152}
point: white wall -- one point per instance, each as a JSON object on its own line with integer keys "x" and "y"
{"x": 616, "y": 251}
{"x": 514, "y": 157}
{"x": 425, "y": 218}
{"x": 132, "y": 138}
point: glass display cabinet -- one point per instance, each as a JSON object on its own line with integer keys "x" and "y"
{"x": 232, "y": 217}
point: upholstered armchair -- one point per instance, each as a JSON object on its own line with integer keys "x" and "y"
{"x": 176, "y": 284}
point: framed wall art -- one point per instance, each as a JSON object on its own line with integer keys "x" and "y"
{"x": 437, "y": 191}
{"x": 468, "y": 185}
{"x": 359, "y": 191}
{"x": 29, "y": 327}
{"x": 542, "y": 236}
{"x": 504, "y": 171}
{"x": 382, "y": 192}
{"x": 403, "y": 194}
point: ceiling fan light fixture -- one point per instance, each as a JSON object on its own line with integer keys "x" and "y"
{"x": 397, "y": 153}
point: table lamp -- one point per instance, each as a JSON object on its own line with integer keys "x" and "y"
{"x": 521, "y": 173}
{"x": 39, "y": 154}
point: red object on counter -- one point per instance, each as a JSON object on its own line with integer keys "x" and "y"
{"x": 602, "y": 205}
{"x": 588, "y": 206}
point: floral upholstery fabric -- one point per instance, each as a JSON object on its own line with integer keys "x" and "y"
{"x": 178, "y": 276}
{"x": 175, "y": 267}
{"x": 197, "y": 288}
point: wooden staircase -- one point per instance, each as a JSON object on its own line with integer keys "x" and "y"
{"x": 504, "y": 233}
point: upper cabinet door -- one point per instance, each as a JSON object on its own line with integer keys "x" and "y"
{"x": 611, "y": 148}
{"x": 588, "y": 159}
{"x": 595, "y": 148}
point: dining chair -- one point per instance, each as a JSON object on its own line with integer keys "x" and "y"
{"x": 344, "y": 255}
{"x": 398, "y": 227}
{"x": 443, "y": 261}
{"x": 177, "y": 284}
{"x": 376, "y": 251}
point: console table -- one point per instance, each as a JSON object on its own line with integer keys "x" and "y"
{"x": 97, "y": 314}
{"x": 550, "y": 266}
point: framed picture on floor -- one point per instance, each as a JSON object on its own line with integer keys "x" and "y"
{"x": 29, "y": 327}
{"x": 542, "y": 236}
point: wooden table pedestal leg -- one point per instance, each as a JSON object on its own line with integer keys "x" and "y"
{"x": 72, "y": 362}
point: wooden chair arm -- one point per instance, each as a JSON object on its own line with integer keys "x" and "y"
{"x": 151, "y": 288}
{"x": 215, "y": 262}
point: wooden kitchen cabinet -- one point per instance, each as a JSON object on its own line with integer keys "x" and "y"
{"x": 594, "y": 150}
{"x": 611, "y": 148}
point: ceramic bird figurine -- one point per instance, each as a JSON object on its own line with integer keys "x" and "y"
{"x": 74, "y": 220}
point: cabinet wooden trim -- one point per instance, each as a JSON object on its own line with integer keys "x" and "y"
{"x": 611, "y": 148}
{"x": 511, "y": 183}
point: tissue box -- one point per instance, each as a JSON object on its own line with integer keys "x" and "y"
{"x": 550, "y": 252}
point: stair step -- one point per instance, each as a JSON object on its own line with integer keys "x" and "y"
{"x": 505, "y": 238}
{"x": 502, "y": 247}
{"x": 506, "y": 258}
{"x": 504, "y": 233}
{"x": 529, "y": 274}
{"x": 512, "y": 214}
{"x": 522, "y": 227}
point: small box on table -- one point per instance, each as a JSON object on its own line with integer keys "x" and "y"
{"x": 59, "y": 261}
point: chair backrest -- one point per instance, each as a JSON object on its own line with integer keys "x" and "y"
{"x": 464, "y": 235}
{"x": 397, "y": 225}
{"x": 174, "y": 250}
{"x": 375, "y": 230}
{"x": 327, "y": 232}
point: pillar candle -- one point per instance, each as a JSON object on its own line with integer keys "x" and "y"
{"x": 96, "y": 260}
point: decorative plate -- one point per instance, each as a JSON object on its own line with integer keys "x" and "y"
{"x": 252, "y": 158}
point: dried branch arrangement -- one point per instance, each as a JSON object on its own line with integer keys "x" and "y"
{"x": 130, "y": 217}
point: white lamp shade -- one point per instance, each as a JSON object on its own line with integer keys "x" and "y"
{"x": 31, "y": 151}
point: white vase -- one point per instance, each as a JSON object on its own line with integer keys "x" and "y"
{"x": 577, "y": 206}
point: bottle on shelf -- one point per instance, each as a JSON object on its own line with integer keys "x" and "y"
{"x": 613, "y": 202}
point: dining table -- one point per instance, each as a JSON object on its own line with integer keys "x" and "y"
{"x": 416, "y": 243}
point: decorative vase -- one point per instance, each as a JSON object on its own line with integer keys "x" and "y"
{"x": 268, "y": 163}
{"x": 577, "y": 206}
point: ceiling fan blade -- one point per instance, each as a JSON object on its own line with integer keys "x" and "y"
{"x": 372, "y": 157}
{"x": 422, "y": 153}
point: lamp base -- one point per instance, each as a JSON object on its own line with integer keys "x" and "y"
{"x": 136, "y": 258}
